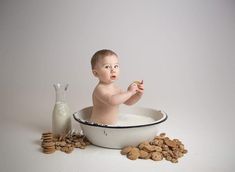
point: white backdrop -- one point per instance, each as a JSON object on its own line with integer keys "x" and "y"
{"x": 183, "y": 50}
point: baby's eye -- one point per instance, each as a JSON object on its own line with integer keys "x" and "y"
{"x": 107, "y": 67}
{"x": 116, "y": 66}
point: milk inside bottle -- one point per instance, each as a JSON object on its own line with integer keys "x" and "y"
{"x": 61, "y": 118}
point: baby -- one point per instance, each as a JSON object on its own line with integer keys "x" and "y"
{"x": 107, "y": 96}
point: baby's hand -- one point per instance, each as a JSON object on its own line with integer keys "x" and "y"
{"x": 140, "y": 86}
{"x": 133, "y": 88}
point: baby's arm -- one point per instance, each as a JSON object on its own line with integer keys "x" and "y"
{"x": 115, "y": 99}
{"x": 136, "y": 97}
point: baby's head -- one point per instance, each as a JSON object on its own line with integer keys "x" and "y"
{"x": 104, "y": 64}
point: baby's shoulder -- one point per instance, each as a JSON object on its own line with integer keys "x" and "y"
{"x": 99, "y": 88}
{"x": 100, "y": 91}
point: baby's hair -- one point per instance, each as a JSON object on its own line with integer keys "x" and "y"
{"x": 99, "y": 55}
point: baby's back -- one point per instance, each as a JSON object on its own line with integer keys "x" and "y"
{"x": 102, "y": 112}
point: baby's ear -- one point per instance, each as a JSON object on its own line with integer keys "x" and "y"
{"x": 95, "y": 73}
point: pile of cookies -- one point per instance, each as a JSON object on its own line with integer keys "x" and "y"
{"x": 65, "y": 143}
{"x": 161, "y": 147}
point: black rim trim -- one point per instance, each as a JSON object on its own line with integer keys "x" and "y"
{"x": 119, "y": 127}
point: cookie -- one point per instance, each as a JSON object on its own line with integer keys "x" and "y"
{"x": 47, "y": 144}
{"x": 157, "y": 148}
{"x": 143, "y": 154}
{"x": 170, "y": 143}
{"x": 156, "y": 156}
{"x": 143, "y": 144}
{"x": 133, "y": 154}
{"x": 126, "y": 150}
{"x": 48, "y": 151}
{"x": 138, "y": 83}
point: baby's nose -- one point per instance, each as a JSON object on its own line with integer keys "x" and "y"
{"x": 112, "y": 69}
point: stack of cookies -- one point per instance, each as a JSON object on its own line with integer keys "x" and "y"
{"x": 48, "y": 145}
{"x": 161, "y": 147}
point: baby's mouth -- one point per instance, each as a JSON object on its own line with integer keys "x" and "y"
{"x": 113, "y": 77}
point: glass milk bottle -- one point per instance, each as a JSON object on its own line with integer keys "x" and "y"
{"x": 61, "y": 118}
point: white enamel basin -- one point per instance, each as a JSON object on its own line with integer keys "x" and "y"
{"x": 142, "y": 126}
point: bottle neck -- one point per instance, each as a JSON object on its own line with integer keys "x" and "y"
{"x": 60, "y": 90}
{"x": 60, "y": 96}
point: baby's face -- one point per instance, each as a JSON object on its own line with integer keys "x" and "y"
{"x": 107, "y": 69}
